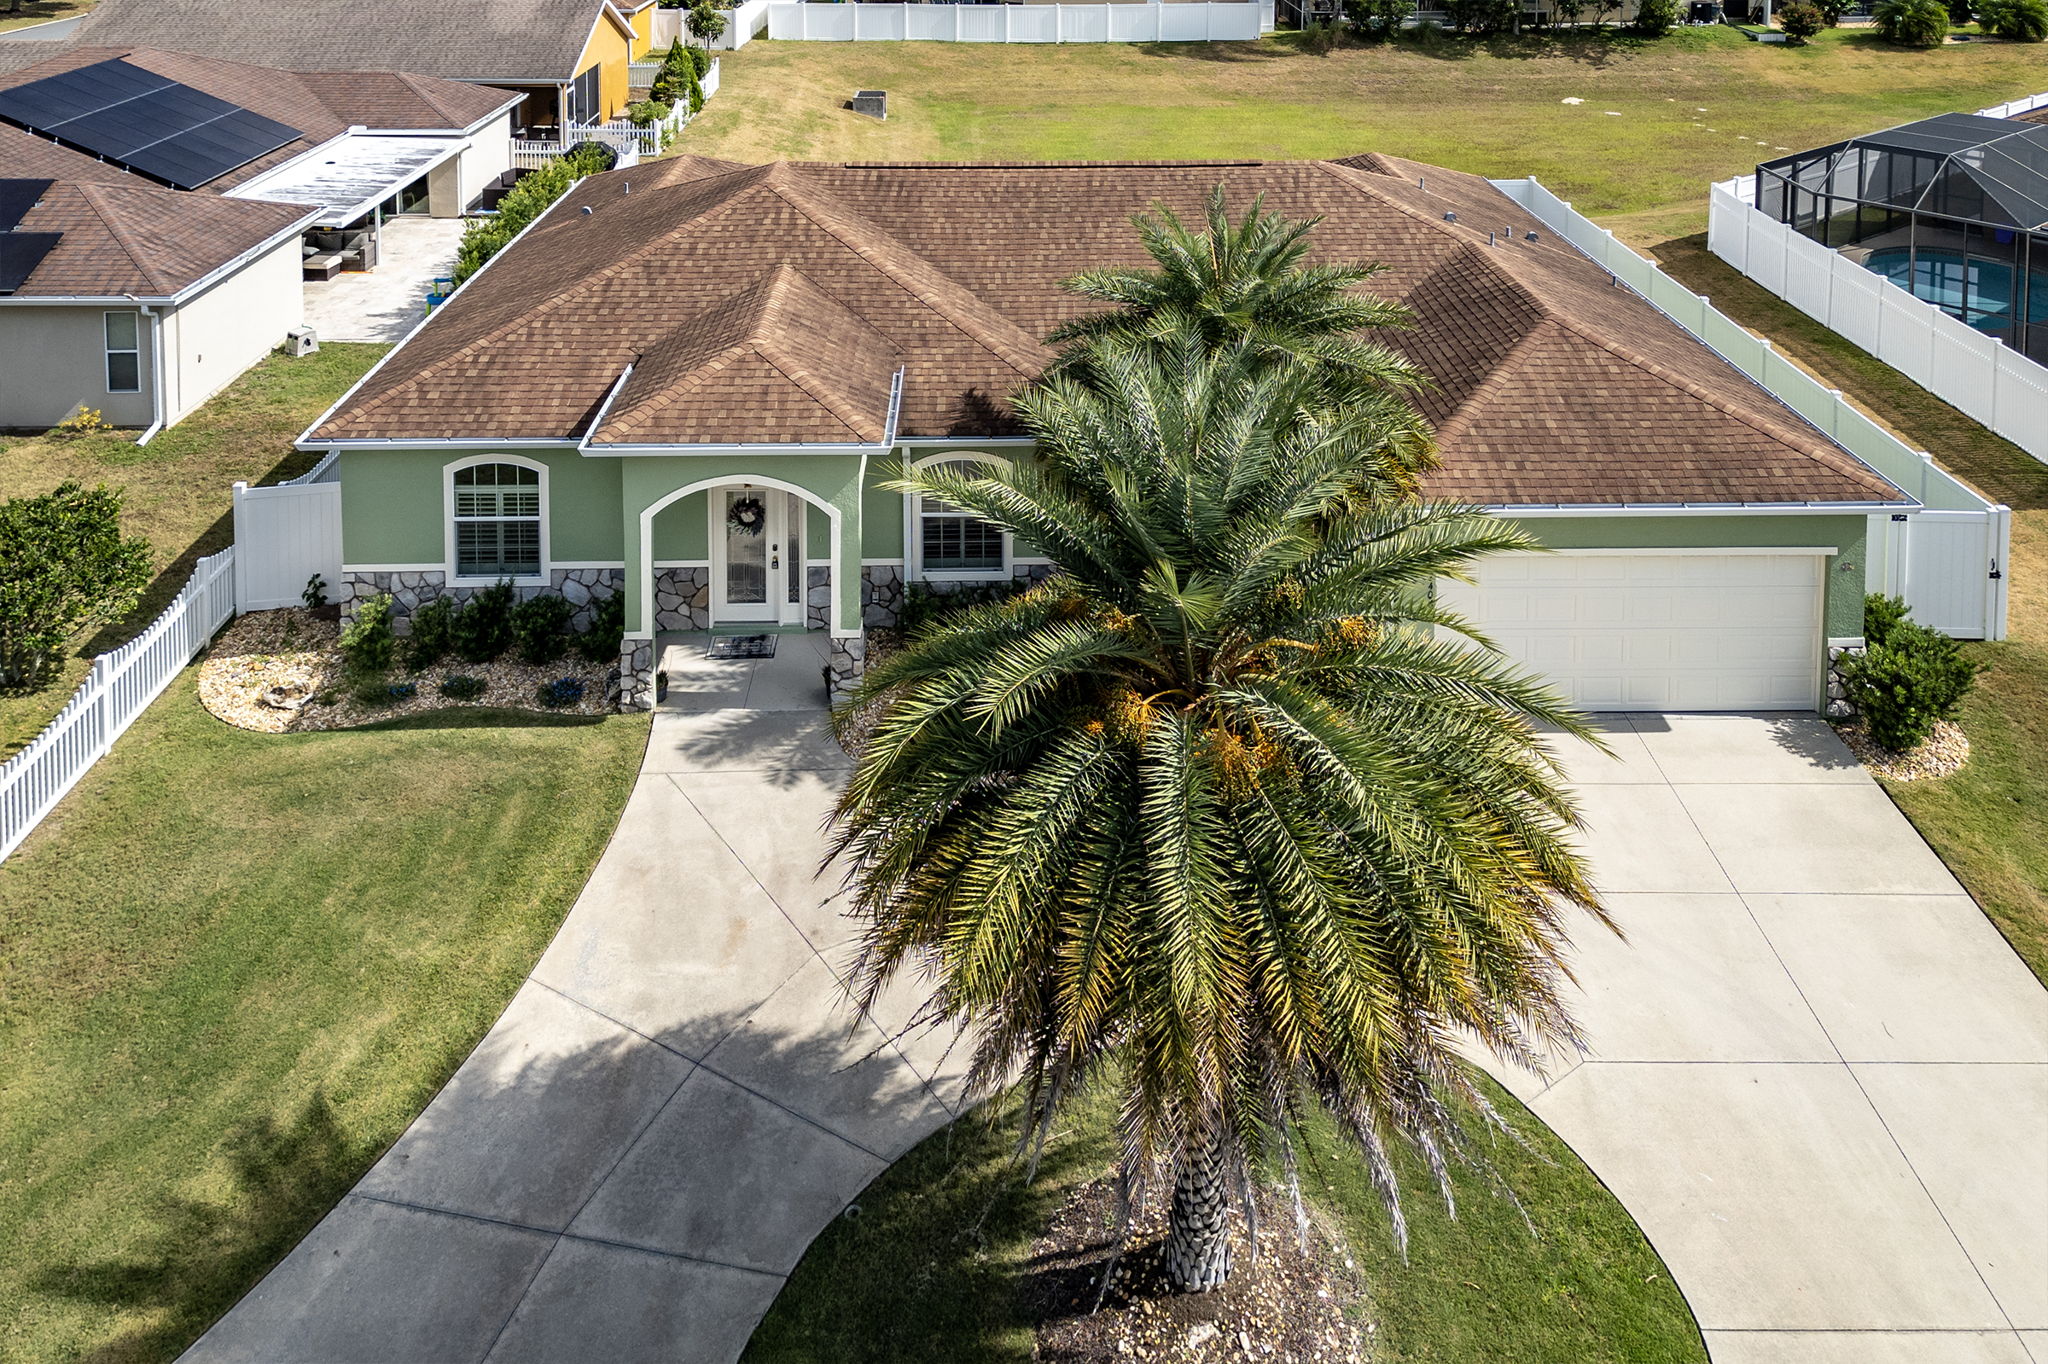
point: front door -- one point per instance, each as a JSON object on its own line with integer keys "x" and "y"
{"x": 757, "y": 575}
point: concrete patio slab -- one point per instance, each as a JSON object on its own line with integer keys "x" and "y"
{"x": 1957, "y": 1124}
{"x": 530, "y": 1124}
{"x": 353, "y": 1290}
{"x": 1747, "y": 749}
{"x": 1774, "y": 1194}
{"x": 1626, "y": 762}
{"x": 723, "y": 1174}
{"x": 1639, "y": 839}
{"x": 1908, "y": 977}
{"x": 626, "y": 1306}
{"x": 1695, "y": 980}
{"x": 808, "y": 1050}
{"x": 1866, "y": 1347}
{"x": 687, "y": 942}
{"x": 385, "y": 304}
{"x": 2037, "y": 1345}
{"x": 1815, "y": 838}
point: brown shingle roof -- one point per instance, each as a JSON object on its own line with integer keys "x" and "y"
{"x": 138, "y": 239}
{"x": 498, "y": 40}
{"x": 321, "y": 105}
{"x": 780, "y": 362}
{"x": 1552, "y": 384}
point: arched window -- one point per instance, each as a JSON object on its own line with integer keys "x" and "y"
{"x": 947, "y": 542}
{"x": 497, "y": 521}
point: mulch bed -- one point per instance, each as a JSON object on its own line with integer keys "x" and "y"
{"x": 293, "y": 656}
{"x": 1282, "y": 1305}
{"x": 1947, "y": 749}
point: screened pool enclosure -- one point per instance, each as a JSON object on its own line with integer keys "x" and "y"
{"x": 1953, "y": 208}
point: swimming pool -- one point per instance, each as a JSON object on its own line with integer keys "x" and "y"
{"x": 1944, "y": 278}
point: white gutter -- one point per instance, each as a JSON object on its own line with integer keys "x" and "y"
{"x": 156, "y": 374}
{"x": 1603, "y": 509}
{"x": 196, "y": 287}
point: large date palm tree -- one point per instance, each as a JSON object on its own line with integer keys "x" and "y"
{"x": 1215, "y": 814}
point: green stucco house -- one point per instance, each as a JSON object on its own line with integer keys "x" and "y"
{"x": 688, "y": 381}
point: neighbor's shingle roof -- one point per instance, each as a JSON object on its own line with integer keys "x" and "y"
{"x": 533, "y": 40}
{"x": 1553, "y": 385}
{"x": 321, "y": 105}
{"x": 139, "y": 239}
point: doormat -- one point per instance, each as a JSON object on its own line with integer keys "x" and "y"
{"x": 742, "y": 646}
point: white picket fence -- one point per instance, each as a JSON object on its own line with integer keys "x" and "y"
{"x": 1953, "y": 577}
{"x": 1979, "y": 374}
{"x": 949, "y": 23}
{"x": 120, "y": 685}
{"x": 631, "y": 141}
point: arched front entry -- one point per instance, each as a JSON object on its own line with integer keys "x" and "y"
{"x": 760, "y": 566}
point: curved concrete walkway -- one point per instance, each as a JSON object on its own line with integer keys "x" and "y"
{"x": 1820, "y": 1078}
{"x": 669, "y": 1111}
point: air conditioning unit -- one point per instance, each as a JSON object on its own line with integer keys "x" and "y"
{"x": 300, "y": 341}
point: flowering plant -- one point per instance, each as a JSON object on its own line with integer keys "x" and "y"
{"x": 747, "y": 516}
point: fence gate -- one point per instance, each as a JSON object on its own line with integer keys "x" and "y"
{"x": 283, "y": 536}
{"x": 1950, "y": 566}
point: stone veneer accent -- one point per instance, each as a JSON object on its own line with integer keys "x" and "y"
{"x": 636, "y": 674}
{"x": 818, "y": 596}
{"x": 846, "y": 658}
{"x": 682, "y": 598}
{"x": 882, "y": 590}
{"x": 1837, "y": 705}
{"x": 584, "y": 588}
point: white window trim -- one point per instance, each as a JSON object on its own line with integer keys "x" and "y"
{"x": 913, "y": 529}
{"x": 110, "y": 350}
{"x": 448, "y": 472}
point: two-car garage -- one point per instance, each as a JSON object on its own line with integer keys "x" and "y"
{"x": 1618, "y": 630}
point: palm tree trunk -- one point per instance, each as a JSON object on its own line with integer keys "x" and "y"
{"x": 1198, "y": 1229}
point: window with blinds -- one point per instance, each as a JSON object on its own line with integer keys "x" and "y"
{"x": 497, "y": 521}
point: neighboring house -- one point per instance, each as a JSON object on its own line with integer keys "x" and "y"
{"x": 1953, "y": 209}
{"x": 678, "y": 350}
{"x": 568, "y": 58}
{"x": 163, "y": 208}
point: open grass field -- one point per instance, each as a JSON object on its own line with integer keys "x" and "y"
{"x": 936, "y": 1269}
{"x": 175, "y": 490}
{"x": 234, "y": 966}
{"x": 1493, "y": 108}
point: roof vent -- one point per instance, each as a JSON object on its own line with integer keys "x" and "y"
{"x": 1530, "y": 238}
{"x": 586, "y": 210}
{"x": 1450, "y": 217}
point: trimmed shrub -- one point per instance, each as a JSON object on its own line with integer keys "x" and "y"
{"x": 1801, "y": 21}
{"x": 461, "y": 687}
{"x": 403, "y": 691}
{"x": 1655, "y": 18}
{"x": 563, "y": 691}
{"x": 1377, "y": 20}
{"x": 371, "y": 689}
{"x": 367, "y": 642}
{"x": 433, "y": 628}
{"x": 600, "y": 643}
{"x": 540, "y": 627}
{"x": 1912, "y": 23}
{"x": 2022, "y": 21}
{"x": 1908, "y": 677}
{"x": 482, "y": 629}
{"x": 65, "y": 568}
{"x": 647, "y": 113}
{"x": 527, "y": 200}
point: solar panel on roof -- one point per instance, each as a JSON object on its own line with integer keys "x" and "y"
{"x": 144, "y": 121}
{"x": 21, "y": 253}
{"x": 17, "y": 197}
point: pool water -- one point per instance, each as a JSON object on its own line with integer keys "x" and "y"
{"x": 1943, "y": 278}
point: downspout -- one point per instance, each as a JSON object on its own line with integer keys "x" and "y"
{"x": 860, "y": 493}
{"x": 156, "y": 372}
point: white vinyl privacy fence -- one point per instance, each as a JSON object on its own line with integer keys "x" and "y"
{"x": 1979, "y": 374}
{"x": 1141, "y": 23}
{"x": 117, "y": 689}
{"x": 743, "y": 24}
{"x": 1947, "y": 561}
{"x": 285, "y": 536}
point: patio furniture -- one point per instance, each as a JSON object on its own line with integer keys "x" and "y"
{"x": 324, "y": 265}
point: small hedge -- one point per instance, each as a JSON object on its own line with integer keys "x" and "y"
{"x": 1908, "y": 678}
{"x": 526, "y": 201}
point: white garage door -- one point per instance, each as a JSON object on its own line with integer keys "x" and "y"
{"x": 1657, "y": 631}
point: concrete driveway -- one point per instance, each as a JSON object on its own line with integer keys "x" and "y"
{"x": 670, "y": 1110}
{"x": 1819, "y": 1076}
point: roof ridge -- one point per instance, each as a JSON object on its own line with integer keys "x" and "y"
{"x": 1490, "y": 387}
{"x": 90, "y": 193}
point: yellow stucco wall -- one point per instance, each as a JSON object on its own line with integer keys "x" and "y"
{"x": 643, "y": 31}
{"x": 610, "y": 50}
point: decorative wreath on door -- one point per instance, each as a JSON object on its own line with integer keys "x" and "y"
{"x": 746, "y": 516}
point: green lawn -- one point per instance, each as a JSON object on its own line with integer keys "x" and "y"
{"x": 175, "y": 490}
{"x": 234, "y": 966}
{"x": 935, "y": 1267}
{"x": 26, "y": 12}
{"x": 1493, "y": 108}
